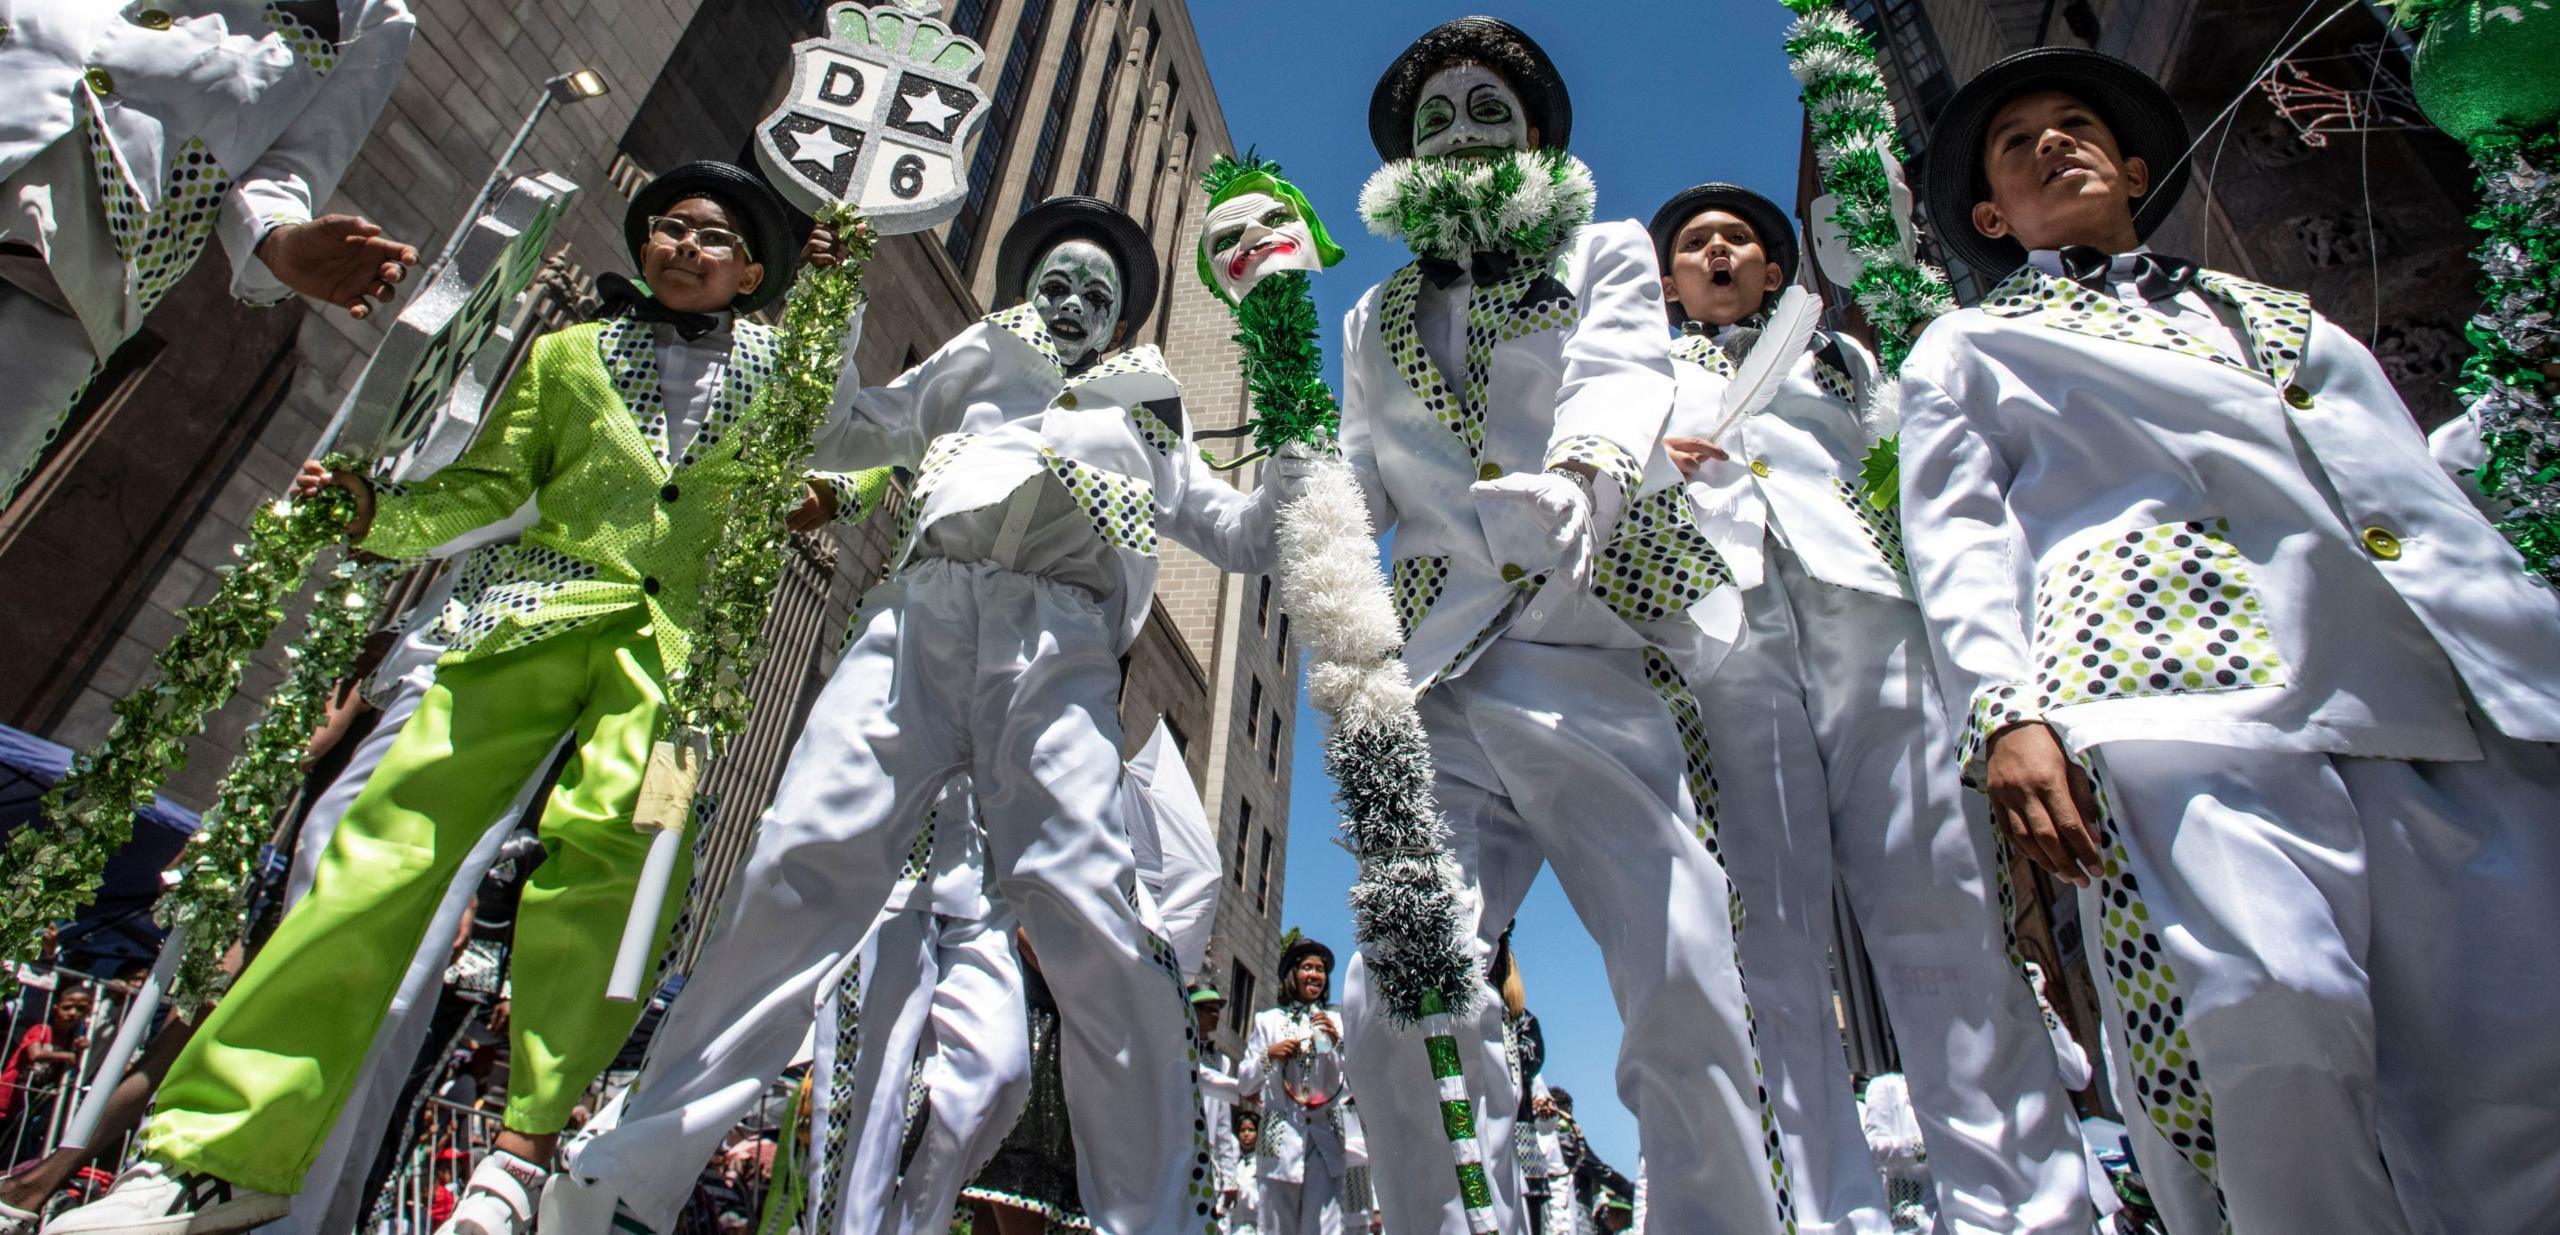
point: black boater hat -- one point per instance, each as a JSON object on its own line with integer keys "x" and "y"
{"x": 1060, "y": 219}
{"x": 761, "y": 218}
{"x": 1777, "y": 231}
{"x": 1496, "y": 44}
{"x": 2146, "y": 123}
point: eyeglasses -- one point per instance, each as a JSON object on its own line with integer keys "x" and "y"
{"x": 674, "y": 230}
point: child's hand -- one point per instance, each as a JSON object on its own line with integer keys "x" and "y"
{"x": 1691, "y": 453}
{"x": 2043, "y": 802}
{"x": 316, "y": 476}
{"x": 816, "y": 507}
{"x": 824, "y": 249}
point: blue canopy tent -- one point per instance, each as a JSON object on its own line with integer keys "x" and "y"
{"x": 118, "y": 925}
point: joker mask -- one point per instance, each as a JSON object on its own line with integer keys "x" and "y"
{"x": 1467, "y": 109}
{"x": 1076, "y": 291}
{"x": 1254, "y": 234}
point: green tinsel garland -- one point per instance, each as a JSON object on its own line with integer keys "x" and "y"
{"x": 209, "y": 897}
{"x": 1283, "y": 371}
{"x": 1853, "y": 133}
{"x": 2515, "y": 337}
{"x": 54, "y": 870}
{"x": 709, "y": 697}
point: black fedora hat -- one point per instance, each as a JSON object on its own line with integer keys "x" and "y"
{"x": 2146, "y": 123}
{"x": 1775, "y": 228}
{"x": 1060, "y": 219}
{"x": 760, "y": 215}
{"x": 1488, "y": 41}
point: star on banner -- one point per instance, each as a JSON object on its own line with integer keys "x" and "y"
{"x": 818, "y": 146}
{"x": 929, "y": 109}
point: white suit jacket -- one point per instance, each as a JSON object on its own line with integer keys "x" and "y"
{"x": 1290, "y": 1133}
{"x": 281, "y": 93}
{"x": 991, "y": 409}
{"x": 2117, "y": 529}
{"x": 1565, "y": 363}
{"x": 1795, "y": 471}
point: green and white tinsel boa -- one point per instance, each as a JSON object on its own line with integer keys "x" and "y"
{"x": 1525, "y": 203}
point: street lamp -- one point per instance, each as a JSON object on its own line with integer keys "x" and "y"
{"x": 576, "y": 85}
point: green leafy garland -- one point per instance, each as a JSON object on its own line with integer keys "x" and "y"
{"x": 54, "y": 870}
{"x": 208, "y": 899}
{"x": 2515, "y": 340}
{"x": 1853, "y": 136}
{"x": 1527, "y": 203}
{"x": 709, "y": 697}
{"x": 1276, "y": 327}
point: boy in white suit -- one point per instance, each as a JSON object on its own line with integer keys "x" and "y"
{"x": 1502, "y": 396}
{"x": 136, "y": 132}
{"x": 1831, "y": 749}
{"x": 2231, "y": 653}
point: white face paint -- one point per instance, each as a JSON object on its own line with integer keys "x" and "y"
{"x": 1076, "y": 291}
{"x": 1255, "y": 234}
{"x": 1467, "y": 109}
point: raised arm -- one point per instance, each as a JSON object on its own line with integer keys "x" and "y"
{"x": 1618, "y": 385}
{"x": 498, "y": 473}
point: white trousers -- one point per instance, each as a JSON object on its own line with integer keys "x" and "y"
{"x": 1833, "y": 761}
{"x": 329, "y": 1208}
{"x": 1015, "y": 681}
{"x": 1313, "y": 1207}
{"x": 951, "y": 989}
{"x": 1567, "y": 755}
{"x": 45, "y": 359}
{"x": 2318, "y": 965}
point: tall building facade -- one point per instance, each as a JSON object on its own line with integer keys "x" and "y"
{"x": 2310, "y": 170}
{"x": 210, "y": 411}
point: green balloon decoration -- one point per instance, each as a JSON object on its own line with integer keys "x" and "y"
{"x": 2485, "y": 69}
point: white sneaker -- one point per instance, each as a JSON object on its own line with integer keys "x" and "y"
{"x": 499, "y": 1198}
{"x": 150, "y": 1199}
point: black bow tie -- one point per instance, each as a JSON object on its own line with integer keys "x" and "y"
{"x": 622, "y": 297}
{"x": 1486, "y": 265}
{"x": 2157, "y": 276}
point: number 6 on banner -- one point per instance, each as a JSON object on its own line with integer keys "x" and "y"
{"x": 877, "y": 115}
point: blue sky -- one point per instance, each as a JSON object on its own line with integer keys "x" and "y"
{"x": 1666, "y": 93}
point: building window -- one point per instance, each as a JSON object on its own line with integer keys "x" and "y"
{"x": 1138, "y": 123}
{"x": 1062, "y": 99}
{"x": 1262, "y": 886}
{"x": 1271, "y": 753}
{"x": 1002, "y": 111}
{"x": 1239, "y": 997}
{"x": 1909, "y": 43}
{"x": 1089, "y": 168}
{"x": 1244, "y": 838}
{"x": 1181, "y": 740}
{"x": 1280, "y": 646}
{"x": 969, "y": 17}
{"x": 1262, "y": 607}
{"x": 1253, "y": 716}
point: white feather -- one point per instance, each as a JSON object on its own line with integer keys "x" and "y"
{"x": 1766, "y": 367}
{"x": 1882, "y": 417}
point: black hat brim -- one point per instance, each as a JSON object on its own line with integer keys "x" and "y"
{"x": 1060, "y": 219}
{"x": 2145, "y": 120}
{"x": 1488, "y": 41}
{"x": 766, "y": 222}
{"x": 1774, "y": 226}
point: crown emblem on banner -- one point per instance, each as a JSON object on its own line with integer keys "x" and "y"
{"x": 906, "y": 30}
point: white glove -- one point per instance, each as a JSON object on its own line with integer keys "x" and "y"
{"x": 1535, "y": 523}
{"x": 1291, "y": 467}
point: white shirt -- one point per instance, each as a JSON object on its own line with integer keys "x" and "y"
{"x": 689, "y": 375}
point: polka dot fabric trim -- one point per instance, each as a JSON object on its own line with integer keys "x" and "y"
{"x": 629, "y": 351}
{"x": 1883, "y": 527}
{"x": 1123, "y": 508}
{"x": 1686, "y": 717}
{"x": 840, "y": 1089}
{"x": 931, "y": 471}
{"x": 159, "y": 245}
{"x": 2277, "y": 322}
{"x": 1700, "y": 350}
{"x": 1482, "y": 637}
{"x": 919, "y": 865}
{"x": 1601, "y": 455}
{"x": 2168, "y": 1083}
{"x": 1659, "y": 562}
{"x": 1404, "y": 346}
{"x": 2167, "y": 610}
{"x": 1416, "y": 584}
{"x": 1835, "y": 383}
{"x": 1023, "y": 322}
{"x": 307, "y": 45}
